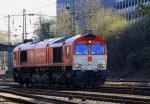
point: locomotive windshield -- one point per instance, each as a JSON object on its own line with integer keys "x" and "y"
{"x": 97, "y": 49}
{"x": 81, "y": 49}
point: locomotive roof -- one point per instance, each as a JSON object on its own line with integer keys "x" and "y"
{"x": 64, "y": 38}
{"x": 54, "y": 41}
{"x": 72, "y": 39}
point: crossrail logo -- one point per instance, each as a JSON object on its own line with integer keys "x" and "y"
{"x": 89, "y": 58}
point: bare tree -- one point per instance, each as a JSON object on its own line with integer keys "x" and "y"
{"x": 63, "y": 24}
{"x": 91, "y": 16}
{"x": 3, "y": 37}
{"x": 45, "y": 28}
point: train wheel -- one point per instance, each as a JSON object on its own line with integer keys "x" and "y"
{"x": 21, "y": 84}
{"x": 85, "y": 86}
{"x": 49, "y": 85}
{"x": 76, "y": 86}
{"x": 95, "y": 86}
{"x": 59, "y": 84}
{"x": 27, "y": 85}
{"x": 32, "y": 84}
{"x": 67, "y": 85}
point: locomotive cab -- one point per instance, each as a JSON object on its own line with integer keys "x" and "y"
{"x": 89, "y": 61}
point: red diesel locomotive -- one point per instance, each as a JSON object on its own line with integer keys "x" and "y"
{"x": 72, "y": 60}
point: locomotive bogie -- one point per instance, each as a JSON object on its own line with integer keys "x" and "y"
{"x": 43, "y": 75}
{"x": 89, "y": 78}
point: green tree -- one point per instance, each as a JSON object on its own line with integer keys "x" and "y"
{"x": 107, "y": 23}
{"x": 130, "y": 51}
{"x": 145, "y": 8}
{"x": 102, "y": 21}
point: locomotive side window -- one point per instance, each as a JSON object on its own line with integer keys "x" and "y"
{"x": 68, "y": 50}
{"x": 97, "y": 49}
{"x": 57, "y": 55}
{"x": 81, "y": 49}
{"x": 23, "y": 56}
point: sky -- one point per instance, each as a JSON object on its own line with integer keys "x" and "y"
{"x": 15, "y": 7}
{"x": 11, "y": 7}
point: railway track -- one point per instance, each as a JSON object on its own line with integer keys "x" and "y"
{"x": 84, "y": 95}
{"x": 126, "y": 90}
{"x": 28, "y": 98}
{"x": 143, "y": 91}
{"x": 7, "y": 82}
{"x": 126, "y": 94}
{"x": 6, "y": 101}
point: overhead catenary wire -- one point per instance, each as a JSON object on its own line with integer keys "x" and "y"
{"x": 10, "y": 3}
{"x": 18, "y": 15}
{"x": 43, "y": 6}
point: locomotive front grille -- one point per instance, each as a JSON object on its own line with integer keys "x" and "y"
{"x": 88, "y": 65}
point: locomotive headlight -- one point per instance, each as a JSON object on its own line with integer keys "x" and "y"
{"x": 102, "y": 66}
{"x": 90, "y": 41}
{"x": 78, "y": 65}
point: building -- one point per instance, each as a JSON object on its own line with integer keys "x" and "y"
{"x": 129, "y": 8}
{"x": 62, "y": 4}
{"x": 126, "y": 7}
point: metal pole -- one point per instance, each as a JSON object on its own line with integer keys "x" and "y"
{"x": 25, "y": 26}
{"x": 128, "y": 11}
{"x": 90, "y": 14}
{"x": 4, "y": 60}
{"x": 73, "y": 16}
{"x": 24, "y": 33}
{"x": 131, "y": 11}
{"x": 9, "y": 43}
